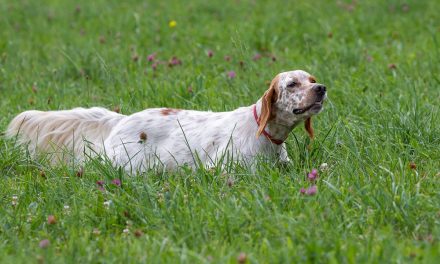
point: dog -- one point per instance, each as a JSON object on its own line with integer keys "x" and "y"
{"x": 171, "y": 138}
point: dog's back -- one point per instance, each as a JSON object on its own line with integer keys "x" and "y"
{"x": 55, "y": 131}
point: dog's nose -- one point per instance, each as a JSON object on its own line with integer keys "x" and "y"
{"x": 320, "y": 89}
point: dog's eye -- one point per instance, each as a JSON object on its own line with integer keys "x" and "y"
{"x": 291, "y": 84}
{"x": 312, "y": 81}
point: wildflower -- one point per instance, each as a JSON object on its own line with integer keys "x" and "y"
{"x": 125, "y": 231}
{"x": 405, "y": 8}
{"x": 412, "y": 165}
{"x": 14, "y": 200}
{"x": 210, "y": 53}
{"x": 231, "y": 74}
{"x": 44, "y": 243}
{"x": 138, "y": 233}
{"x": 227, "y": 58}
{"x": 116, "y": 182}
{"x": 312, "y": 190}
{"x": 160, "y": 197}
{"x": 330, "y": 35}
{"x": 302, "y": 190}
{"x": 135, "y": 57}
{"x": 323, "y": 166}
{"x": 96, "y": 231}
{"x": 151, "y": 57}
{"x": 257, "y": 57}
{"x": 66, "y": 209}
{"x": 154, "y": 66}
{"x": 313, "y": 175}
{"x": 172, "y": 24}
{"x": 51, "y": 220}
{"x": 392, "y": 66}
{"x": 242, "y": 258}
{"x": 100, "y": 183}
{"x": 174, "y": 62}
{"x": 107, "y": 203}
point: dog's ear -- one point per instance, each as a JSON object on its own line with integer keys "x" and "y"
{"x": 269, "y": 97}
{"x": 309, "y": 128}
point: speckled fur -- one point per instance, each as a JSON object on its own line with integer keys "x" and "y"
{"x": 168, "y": 137}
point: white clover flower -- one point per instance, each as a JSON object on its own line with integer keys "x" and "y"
{"x": 107, "y": 203}
{"x": 14, "y": 201}
{"x": 66, "y": 209}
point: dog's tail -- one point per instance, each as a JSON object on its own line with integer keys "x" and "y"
{"x": 67, "y": 130}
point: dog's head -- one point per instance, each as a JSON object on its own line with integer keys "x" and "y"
{"x": 292, "y": 97}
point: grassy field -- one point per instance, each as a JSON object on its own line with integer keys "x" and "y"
{"x": 378, "y": 201}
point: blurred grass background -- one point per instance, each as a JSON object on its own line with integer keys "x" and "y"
{"x": 379, "y": 59}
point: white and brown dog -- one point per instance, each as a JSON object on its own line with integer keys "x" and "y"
{"x": 173, "y": 137}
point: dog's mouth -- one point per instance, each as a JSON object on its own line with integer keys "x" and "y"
{"x": 316, "y": 106}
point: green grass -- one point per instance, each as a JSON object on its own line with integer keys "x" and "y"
{"x": 370, "y": 206}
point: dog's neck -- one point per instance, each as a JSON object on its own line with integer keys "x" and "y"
{"x": 277, "y": 127}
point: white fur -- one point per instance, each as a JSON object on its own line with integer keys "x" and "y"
{"x": 156, "y": 137}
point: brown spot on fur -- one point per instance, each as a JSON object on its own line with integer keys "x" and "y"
{"x": 312, "y": 79}
{"x": 143, "y": 137}
{"x": 169, "y": 111}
